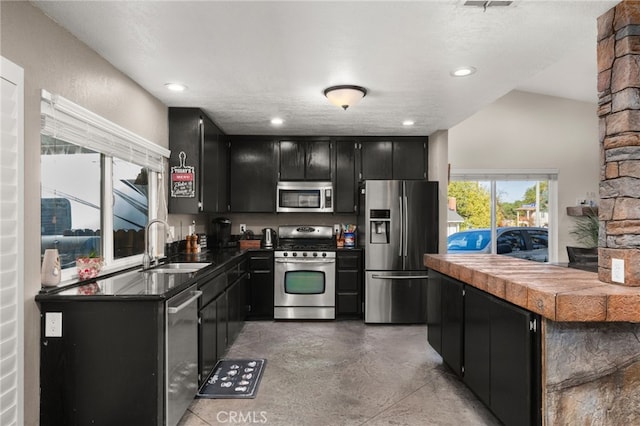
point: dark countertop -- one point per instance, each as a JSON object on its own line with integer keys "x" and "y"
{"x": 134, "y": 283}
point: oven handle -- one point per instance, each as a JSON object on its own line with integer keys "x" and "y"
{"x": 299, "y": 260}
{"x": 400, "y": 277}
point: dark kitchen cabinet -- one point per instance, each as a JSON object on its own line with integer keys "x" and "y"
{"x": 493, "y": 345}
{"x": 394, "y": 158}
{"x": 349, "y": 284}
{"x": 305, "y": 160}
{"x": 236, "y": 300}
{"x": 452, "y": 323}
{"x": 107, "y": 368}
{"x": 252, "y": 174}
{"x": 195, "y": 141}
{"x": 212, "y": 288}
{"x": 260, "y": 285}
{"x": 346, "y": 177}
{"x": 222, "y": 319}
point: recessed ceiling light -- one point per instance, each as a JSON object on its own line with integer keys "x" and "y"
{"x": 176, "y": 87}
{"x": 277, "y": 121}
{"x": 408, "y": 123}
{"x": 463, "y": 71}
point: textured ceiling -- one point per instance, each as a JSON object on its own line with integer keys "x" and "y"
{"x": 247, "y": 62}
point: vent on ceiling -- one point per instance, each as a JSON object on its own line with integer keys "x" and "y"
{"x": 486, "y": 4}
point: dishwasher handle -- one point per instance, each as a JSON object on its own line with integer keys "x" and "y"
{"x": 175, "y": 309}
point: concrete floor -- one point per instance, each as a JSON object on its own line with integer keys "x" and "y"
{"x": 343, "y": 373}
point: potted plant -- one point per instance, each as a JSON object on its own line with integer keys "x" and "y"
{"x": 89, "y": 266}
{"x": 585, "y": 231}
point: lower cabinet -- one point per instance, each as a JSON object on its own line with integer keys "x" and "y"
{"x": 221, "y": 315}
{"x": 349, "y": 284}
{"x": 259, "y": 294}
{"x": 491, "y": 344}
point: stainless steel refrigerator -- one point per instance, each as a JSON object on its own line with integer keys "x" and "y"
{"x": 400, "y": 224}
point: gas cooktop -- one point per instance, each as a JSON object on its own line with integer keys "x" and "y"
{"x": 306, "y": 238}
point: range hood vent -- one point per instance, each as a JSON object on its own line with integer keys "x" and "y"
{"x": 486, "y": 4}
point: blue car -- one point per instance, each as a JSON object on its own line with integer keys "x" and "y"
{"x": 523, "y": 242}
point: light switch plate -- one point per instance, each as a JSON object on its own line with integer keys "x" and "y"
{"x": 53, "y": 324}
{"x": 617, "y": 270}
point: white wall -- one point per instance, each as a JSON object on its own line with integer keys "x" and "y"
{"x": 528, "y": 131}
{"x": 54, "y": 60}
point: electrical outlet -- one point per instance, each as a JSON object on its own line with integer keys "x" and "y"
{"x": 243, "y": 228}
{"x": 336, "y": 229}
{"x": 172, "y": 233}
{"x": 617, "y": 270}
{"x": 53, "y": 324}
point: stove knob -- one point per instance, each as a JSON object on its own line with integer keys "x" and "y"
{"x": 285, "y": 254}
{"x": 315, "y": 254}
{"x": 324, "y": 254}
{"x": 304, "y": 254}
{"x": 295, "y": 254}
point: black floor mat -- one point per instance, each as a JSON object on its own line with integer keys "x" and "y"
{"x": 233, "y": 378}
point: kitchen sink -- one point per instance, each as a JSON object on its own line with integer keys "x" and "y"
{"x": 178, "y": 268}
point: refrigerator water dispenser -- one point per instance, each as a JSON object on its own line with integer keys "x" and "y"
{"x": 380, "y": 221}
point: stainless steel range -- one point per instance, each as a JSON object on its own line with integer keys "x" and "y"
{"x": 305, "y": 271}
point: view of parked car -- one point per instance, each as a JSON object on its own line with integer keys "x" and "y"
{"x": 523, "y": 242}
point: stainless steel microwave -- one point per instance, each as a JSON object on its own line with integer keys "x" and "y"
{"x": 308, "y": 197}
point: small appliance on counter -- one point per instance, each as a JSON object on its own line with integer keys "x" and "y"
{"x": 220, "y": 232}
{"x": 268, "y": 240}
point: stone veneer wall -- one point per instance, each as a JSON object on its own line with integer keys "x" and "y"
{"x": 619, "y": 113}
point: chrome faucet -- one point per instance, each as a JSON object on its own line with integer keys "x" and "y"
{"x": 146, "y": 257}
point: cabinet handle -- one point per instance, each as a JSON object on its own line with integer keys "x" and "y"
{"x": 400, "y": 277}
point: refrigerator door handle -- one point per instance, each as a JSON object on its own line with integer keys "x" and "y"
{"x": 400, "y": 250}
{"x": 400, "y": 277}
{"x": 406, "y": 227}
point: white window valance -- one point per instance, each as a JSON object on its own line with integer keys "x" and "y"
{"x": 69, "y": 122}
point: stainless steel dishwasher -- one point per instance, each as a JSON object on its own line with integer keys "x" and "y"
{"x": 181, "y": 370}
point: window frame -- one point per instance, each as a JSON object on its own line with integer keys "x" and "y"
{"x": 503, "y": 175}
{"x": 69, "y": 122}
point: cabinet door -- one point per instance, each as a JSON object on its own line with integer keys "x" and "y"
{"x": 349, "y": 284}
{"x": 184, "y": 136}
{"x": 222, "y": 318}
{"x": 208, "y": 336}
{"x": 236, "y": 301}
{"x": 318, "y": 160}
{"x": 260, "y": 286}
{"x": 292, "y": 160}
{"x": 252, "y": 174}
{"x": 345, "y": 190}
{"x": 511, "y": 364}
{"x": 477, "y": 342}
{"x": 410, "y": 158}
{"x": 452, "y": 323}
{"x": 377, "y": 159}
{"x": 215, "y": 169}
{"x": 434, "y": 311}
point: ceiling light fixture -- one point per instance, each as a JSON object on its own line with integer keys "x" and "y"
{"x": 176, "y": 87}
{"x": 345, "y": 96}
{"x": 408, "y": 123}
{"x": 277, "y": 121}
{"x": 463, "y": 71}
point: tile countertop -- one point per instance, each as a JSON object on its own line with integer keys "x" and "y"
{"x": 555, "y": 292}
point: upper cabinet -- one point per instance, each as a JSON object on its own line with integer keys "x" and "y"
{"x": 346, "y": 177}
{"x": 252, "y": 174}
{"x": 198, "y": 163}
{"x": 394, "y": 158}
{"x": 305, "y": 160}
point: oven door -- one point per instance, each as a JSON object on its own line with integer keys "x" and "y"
{"x": 304, "y": 288}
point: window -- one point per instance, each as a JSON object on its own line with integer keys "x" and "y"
{"x": 489, "y": 203}
{"x": 98, "y": 182}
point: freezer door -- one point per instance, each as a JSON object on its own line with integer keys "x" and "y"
{"x": 383, "y": 214}
{"x": 395, "y": 297}
{"x": 421, "y": 222}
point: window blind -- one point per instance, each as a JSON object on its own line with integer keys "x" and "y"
{"x": 69, "y": 122}
{"x": 11, "y": 245}
{"x": 504, "y": 174}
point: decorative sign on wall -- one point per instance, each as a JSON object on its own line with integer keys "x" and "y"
{"x": 183, "y": 179}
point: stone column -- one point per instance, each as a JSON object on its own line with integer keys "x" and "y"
{"x": 619, "y": 114}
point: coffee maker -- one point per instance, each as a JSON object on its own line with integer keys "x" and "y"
{"x": 220, "y": 232}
